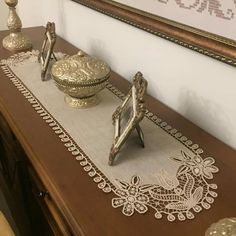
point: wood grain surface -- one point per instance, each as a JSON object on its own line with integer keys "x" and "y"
{"x": 86, "y": 209}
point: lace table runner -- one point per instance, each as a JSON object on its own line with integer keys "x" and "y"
{"x": 169, "y": 175}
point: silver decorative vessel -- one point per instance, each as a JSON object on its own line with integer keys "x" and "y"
{"x": 80, "y": 77}
{"x": 15, "y": 41}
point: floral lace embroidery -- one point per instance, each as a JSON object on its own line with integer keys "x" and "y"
{"x": 19, "y": 58}
{"x": 188, "y": 192}
{"x": 130, "y": 197}
{"x": 30, "y": 56}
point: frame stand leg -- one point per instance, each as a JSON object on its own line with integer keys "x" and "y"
{"x": 140, "y": 135}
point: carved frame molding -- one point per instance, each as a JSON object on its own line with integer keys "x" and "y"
{"x": 215, "y": 46}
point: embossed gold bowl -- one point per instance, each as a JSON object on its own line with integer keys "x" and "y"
{"x": 80, "y": 77}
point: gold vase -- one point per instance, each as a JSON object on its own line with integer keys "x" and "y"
{"x": 15, "y": 41}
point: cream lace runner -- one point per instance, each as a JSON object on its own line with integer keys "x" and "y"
{"x": 169, "y": 175}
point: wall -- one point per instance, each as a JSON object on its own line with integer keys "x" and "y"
{"x": 198, "y": 87}
{"x": 3, "y": 15}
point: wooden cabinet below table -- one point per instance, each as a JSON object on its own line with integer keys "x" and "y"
{"x": 34, "y": 211}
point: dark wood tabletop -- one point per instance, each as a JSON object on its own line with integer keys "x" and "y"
{"x": 86, "y": 209}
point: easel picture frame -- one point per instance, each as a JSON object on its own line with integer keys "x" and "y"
{"x": 127, "y": 117}
{"x": 47, "y": 53}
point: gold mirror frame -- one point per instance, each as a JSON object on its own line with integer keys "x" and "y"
{"x": 46, "y": 53}
{"x": 127, "y": 117}
{"x": 209, "y": 44}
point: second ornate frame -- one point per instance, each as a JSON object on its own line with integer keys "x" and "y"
{"x": 126, "y": 117}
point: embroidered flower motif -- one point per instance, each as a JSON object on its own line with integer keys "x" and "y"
{"x": 172, "y": 196}
{"x": 203, "y": 167}
{"x": 191, "y": 197}
{"x": 130, "y": 197}
{"x": 19, "y": 58}
{"x": 198, "y": 165}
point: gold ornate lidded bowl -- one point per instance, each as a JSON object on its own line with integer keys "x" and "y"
{"x": 80, "y": 77}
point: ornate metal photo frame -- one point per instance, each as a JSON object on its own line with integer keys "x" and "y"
{"x": 46, "y": 53}
{"x": 126, "y": 118}
{"x": 206, "y": 43}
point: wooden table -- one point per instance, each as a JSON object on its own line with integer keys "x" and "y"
{"x": 85, "y": 209}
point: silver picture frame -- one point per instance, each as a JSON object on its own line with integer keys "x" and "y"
{"x": 127, "y": 117}
{"x": 46, "y": 53}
